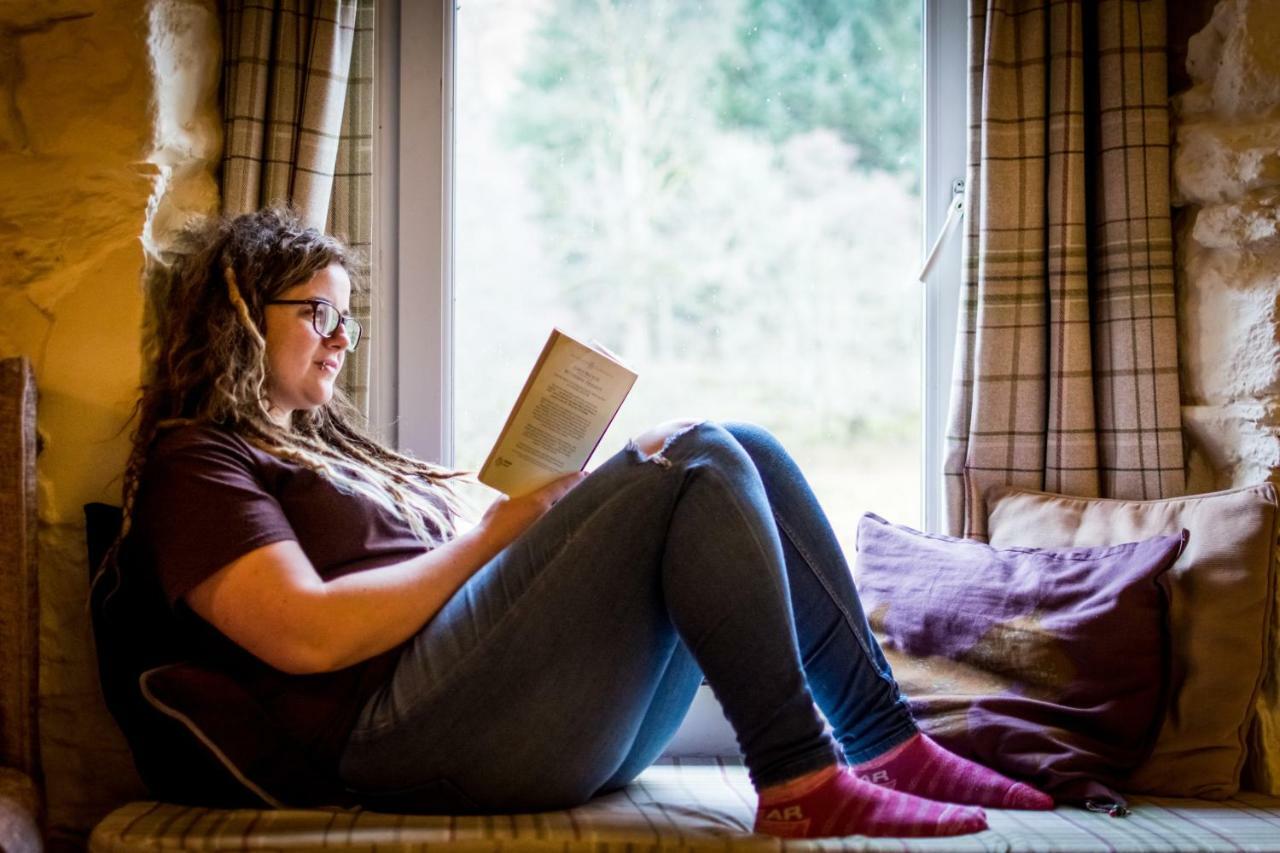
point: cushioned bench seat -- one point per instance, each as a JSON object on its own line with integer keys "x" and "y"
{"x": 683, "y": 805}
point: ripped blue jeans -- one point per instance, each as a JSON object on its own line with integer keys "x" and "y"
{"x": 562, "y": 668}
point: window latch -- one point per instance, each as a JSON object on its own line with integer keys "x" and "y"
{"x": 955, "y": 212}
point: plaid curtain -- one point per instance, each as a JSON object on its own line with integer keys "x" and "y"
{"x": 351, "y": 206}
{"x": 298, "y": 114}
{"x": 1066, "y": 366}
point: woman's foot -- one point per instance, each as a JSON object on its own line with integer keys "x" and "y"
{"x": 834, "y": 802}
{"x": 921, "y": 767}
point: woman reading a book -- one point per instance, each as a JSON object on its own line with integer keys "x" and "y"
{"x": 545, "y": 654}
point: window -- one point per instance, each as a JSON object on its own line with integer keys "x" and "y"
{"x": 422, "y": 259}
{"x": 748, "y": 200}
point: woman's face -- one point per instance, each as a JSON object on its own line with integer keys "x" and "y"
{"x": 302, "y": 365}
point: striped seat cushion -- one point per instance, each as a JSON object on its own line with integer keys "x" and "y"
{"x": 684, "y": 805}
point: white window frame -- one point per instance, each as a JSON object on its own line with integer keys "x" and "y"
{"x": 946, "y": 88}
{"x": 412, "y": 383}
{"x": 412, "y": 389}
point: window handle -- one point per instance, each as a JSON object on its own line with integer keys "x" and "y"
{"x": 955, "y": 212}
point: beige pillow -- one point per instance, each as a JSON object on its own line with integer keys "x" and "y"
{"x": 1224, "y": 700}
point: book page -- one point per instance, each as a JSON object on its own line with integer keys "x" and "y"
{"x": 567, "y": 404}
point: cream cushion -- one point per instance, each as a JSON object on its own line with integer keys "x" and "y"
{"x": 1224, "y": 701}
{"x": 685, "y": 807}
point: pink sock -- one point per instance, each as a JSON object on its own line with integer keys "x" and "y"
{"x": 923, "y": 768}
{"x": 845, "y": 805}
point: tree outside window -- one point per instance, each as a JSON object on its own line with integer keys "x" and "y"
{"x": 727, "y": 193}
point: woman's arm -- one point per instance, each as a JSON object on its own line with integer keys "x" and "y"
{"x": 272, "y": 602}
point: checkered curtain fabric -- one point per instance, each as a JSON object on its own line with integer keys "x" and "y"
{"x": 1066, "y": 373}
{"x": 351, "y": 205}
{"x": 298, "y": 114}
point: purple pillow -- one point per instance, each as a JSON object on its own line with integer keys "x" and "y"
{"x": 1048, "y": 665}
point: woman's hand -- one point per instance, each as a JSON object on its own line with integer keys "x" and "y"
{"x": 506, "y": 518}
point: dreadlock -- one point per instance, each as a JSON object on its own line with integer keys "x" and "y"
{"x": 209, "y": 368}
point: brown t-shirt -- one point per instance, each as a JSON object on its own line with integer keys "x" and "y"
{"x": 208, "y": 497}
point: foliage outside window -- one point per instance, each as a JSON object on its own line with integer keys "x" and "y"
{"x": 727, "y": 193}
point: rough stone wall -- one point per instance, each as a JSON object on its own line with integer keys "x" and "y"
{"x": 108, "y": 125}
{"x": 1226, "y": 171}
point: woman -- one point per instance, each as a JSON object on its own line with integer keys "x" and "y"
{"x": 548, "y": 653}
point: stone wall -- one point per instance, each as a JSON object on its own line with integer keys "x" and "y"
{"x": 1226, "y": 172}
{"x": 108, "y": 124}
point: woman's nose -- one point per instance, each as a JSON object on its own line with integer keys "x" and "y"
{"x": 339, "y": 339}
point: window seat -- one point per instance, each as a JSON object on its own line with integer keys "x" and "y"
{"x": 687, "y": 804}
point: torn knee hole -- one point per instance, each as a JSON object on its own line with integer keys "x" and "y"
{"x": 659, "y": 457}
{"x": 640, "y": 456}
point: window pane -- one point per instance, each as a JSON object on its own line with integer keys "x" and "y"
{"x": 726, "y": 193}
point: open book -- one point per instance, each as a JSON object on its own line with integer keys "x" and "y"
{"x": 568, "y": 401}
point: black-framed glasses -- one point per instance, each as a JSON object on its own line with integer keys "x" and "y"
{"x": 326, "y": 319}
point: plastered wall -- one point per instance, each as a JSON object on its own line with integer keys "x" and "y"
{"x": 92, "y": 182}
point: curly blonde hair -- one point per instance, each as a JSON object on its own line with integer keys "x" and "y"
{"x": 209, "y": 367}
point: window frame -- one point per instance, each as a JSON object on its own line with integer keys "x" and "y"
{"x": 413, "y": 245}
{"x": 413, "y": 234}
{"x": 946, "y": 89}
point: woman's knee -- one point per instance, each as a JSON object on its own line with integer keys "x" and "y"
{"x": 711, "y": 444}
{"x": 653, "y": 441}
{"x": 700, "y": 444}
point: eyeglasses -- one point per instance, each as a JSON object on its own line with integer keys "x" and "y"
{"x": 325, "y": 319}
